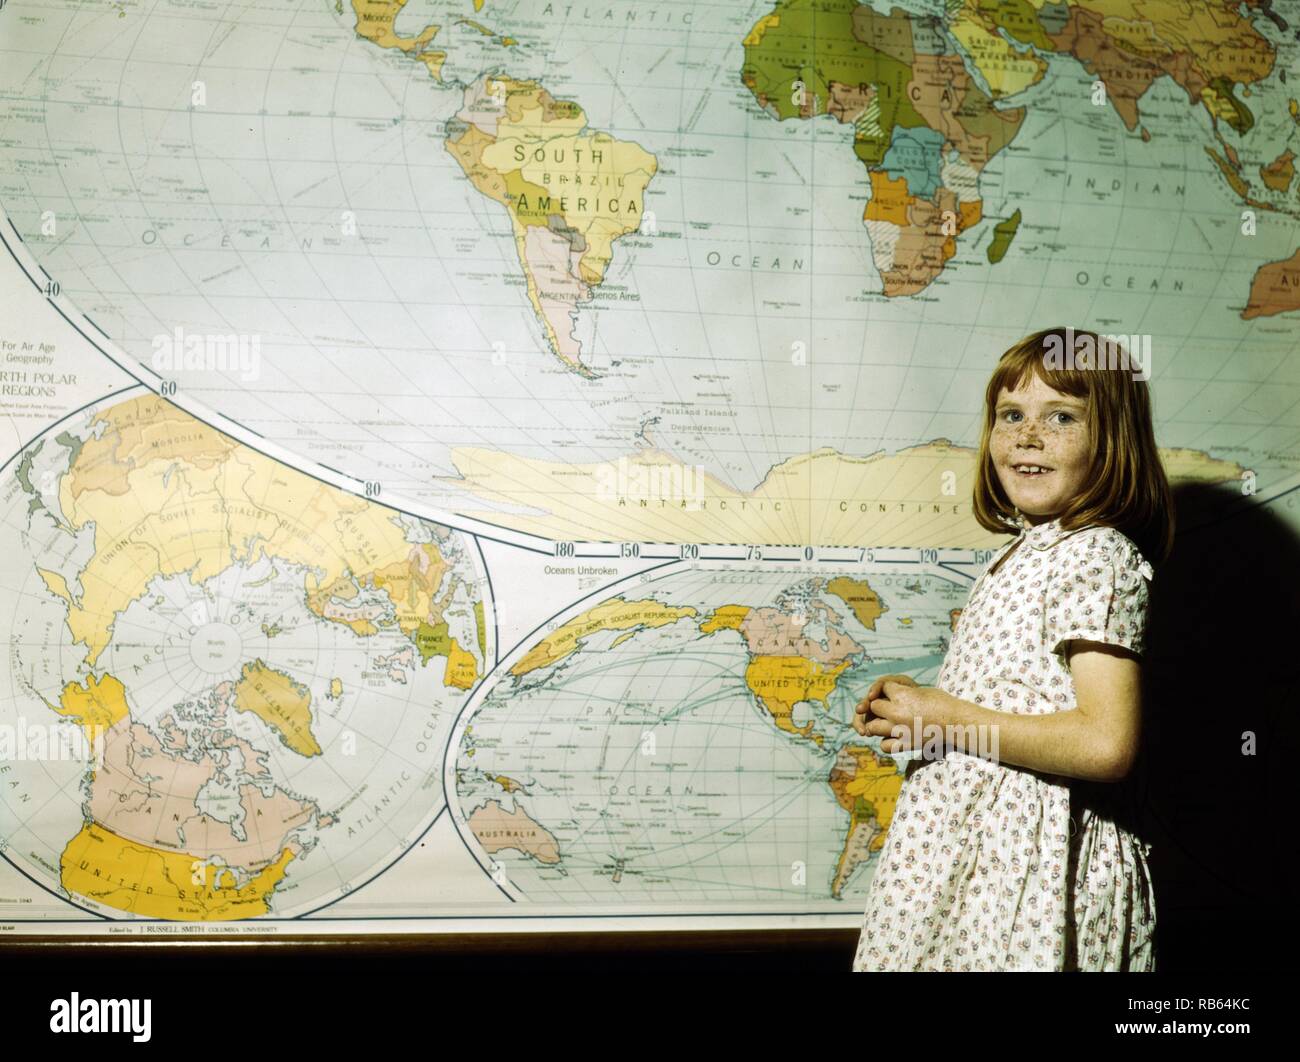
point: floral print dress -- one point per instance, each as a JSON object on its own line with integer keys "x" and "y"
{"x": 990, "y": 866}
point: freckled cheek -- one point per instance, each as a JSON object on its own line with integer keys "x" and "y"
{"x": 1070, "y": 444}
{"x": 1001, "y": 440}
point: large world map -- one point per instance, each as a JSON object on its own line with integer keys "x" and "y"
{"x": 463, "y": 456}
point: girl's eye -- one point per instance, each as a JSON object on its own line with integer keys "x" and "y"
{"x": 1011, "y": 414}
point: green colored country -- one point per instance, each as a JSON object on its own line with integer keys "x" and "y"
{"x": 794, "y": 54}
{"x": 432, "y": 641}
{"x": 1003, "y": 233}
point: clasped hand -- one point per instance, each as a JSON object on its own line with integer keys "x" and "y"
{"x": 897, "y": 709}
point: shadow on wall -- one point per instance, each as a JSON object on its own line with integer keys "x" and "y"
{"x": 1223, "y": 659}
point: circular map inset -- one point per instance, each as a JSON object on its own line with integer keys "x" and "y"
{"x": 260, "y": 672}
{"x": 689, "y": 740}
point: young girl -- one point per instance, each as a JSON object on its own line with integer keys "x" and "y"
{"x": 1024, "y": 859}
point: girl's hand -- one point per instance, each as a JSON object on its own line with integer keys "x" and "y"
{"x": 907, "y": 706}
{"x": 862, "y": 714}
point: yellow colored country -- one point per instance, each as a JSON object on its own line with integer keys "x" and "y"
{"x": 281, "y": 703}
{"x": 615, "y": 614}
{"x": 1006, "y": 69}
{"x": 781, "y": 682}
{"x": 858, "y": 595}
{"x": 375, "y": 20}
{"x": 728, "y": 617}
{"x": 155, "y": 883}
{"x": 874, "y": 790}
{"x": 462, "y": 669}
{"x": 96, "y": 706}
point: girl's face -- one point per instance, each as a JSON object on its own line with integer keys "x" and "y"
{"x": 1039, "y": 426}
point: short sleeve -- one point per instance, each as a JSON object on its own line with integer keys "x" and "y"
{"x": 1098, "y": 592}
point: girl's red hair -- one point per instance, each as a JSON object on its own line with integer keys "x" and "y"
{"x": 1127, "y": 488}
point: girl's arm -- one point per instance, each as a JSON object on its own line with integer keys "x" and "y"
{"x": 1094, "y": 613}
{"x": 1097, "y": 741}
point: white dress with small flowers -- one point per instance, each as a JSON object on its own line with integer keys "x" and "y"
{"x": 990, "y": 866}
